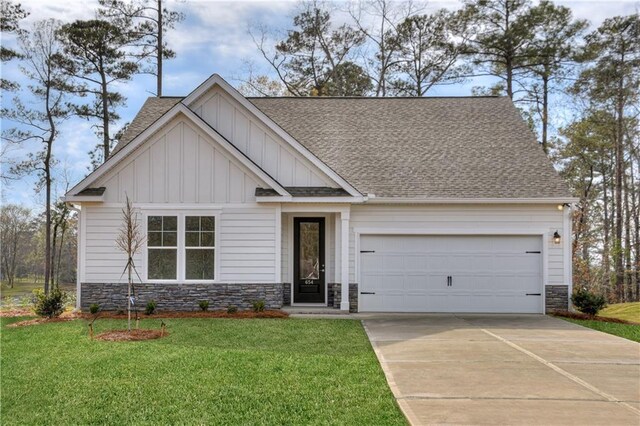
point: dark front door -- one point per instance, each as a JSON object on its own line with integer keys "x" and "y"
{"x": 308, "y": 260}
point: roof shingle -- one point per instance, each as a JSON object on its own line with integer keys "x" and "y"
{"x": 418, "y": 148}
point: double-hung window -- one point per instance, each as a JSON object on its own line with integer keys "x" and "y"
{"x": 181, "y": 248}
{"x": 162, "y": 246}
{"x": 199, "y": 237}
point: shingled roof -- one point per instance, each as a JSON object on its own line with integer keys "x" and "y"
{"x": 152, "y": 109}
{"x": 419, "y": 148}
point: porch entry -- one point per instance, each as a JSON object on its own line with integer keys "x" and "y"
{"x": 309, "y": 260}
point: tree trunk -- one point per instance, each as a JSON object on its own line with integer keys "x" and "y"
{"x": 105, "y": 116}
{"x": 53, "y": 254}
{"x": 545, "y": 110}
{"x": 62, "y": 232}
{"x": 619, "y": 172}
{"x": 47, "y": 239}
{"x": 635, "y": 203}
{"x": 605, "y": 228}
{"x": 160, "y": 49}
{"x": 130, "y": 281}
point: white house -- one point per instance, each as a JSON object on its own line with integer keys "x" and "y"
{"x": 420, "y": 204}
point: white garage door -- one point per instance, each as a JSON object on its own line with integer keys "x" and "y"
{"x": 401, "y": 273}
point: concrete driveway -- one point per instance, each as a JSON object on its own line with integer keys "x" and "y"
{"x": 506, "y": 369}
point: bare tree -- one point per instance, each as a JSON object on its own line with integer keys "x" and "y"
{"x": 130, "y": 240}
{"x": 378, "y": 20}
{"x": 40, "y": 120}
{"x": 16, "y": 226}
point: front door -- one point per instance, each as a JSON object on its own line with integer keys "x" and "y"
{"x": 308, "y": 261}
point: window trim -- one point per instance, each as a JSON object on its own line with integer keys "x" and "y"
{"x": 181, "y": 248}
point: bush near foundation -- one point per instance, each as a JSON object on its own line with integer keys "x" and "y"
{"x": 588, "y": 302}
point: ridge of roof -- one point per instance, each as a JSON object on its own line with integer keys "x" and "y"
{"x": 378, "y": 97}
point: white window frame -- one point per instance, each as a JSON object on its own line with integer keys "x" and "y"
{"x": 181, "y": 255}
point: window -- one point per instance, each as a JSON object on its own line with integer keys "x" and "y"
{"x": 162, "y": 243}
{"x": 199, "y": 237}
{"x": 181, "y": 248}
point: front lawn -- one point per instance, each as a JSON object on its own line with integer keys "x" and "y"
{"x": 625, "y": 311}
{"x": 628, "y": 331}
{"x": 207, "y": 371}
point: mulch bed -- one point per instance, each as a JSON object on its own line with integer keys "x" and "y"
{"x": 68, "y": 316}
{"x": 188, "y": 314}
{"x": 131, "y": 336}
{"x": 581, "y": 316}
{"x": 36, "y": 321}
{"x": 16, "y": 312}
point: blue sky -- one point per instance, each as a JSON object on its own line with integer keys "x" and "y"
{"x": 213, "y": 38}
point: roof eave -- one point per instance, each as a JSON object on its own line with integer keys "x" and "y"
{"x": 398, "y": 200}
{"x": 312, "y": 200}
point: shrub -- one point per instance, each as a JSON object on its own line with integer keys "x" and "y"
{"x": 49, "y": 305}
{"x": 204, "y": 305}
{"x": 151, "y": 307}
{"x": 94, "y": 308}
{"x": 588, "y": 302}
{"x": 120, "y": 312}
{"x": 258, "y": 306}
{"x": 232, "y": 309}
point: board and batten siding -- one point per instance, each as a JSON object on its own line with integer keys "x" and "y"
{"x": 460, "y": 218}
{"x": 180, "y": 165}
{"x": 274, "y": 155}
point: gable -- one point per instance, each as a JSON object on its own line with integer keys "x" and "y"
{"x": 254, "y": 139}
{"x": 180, "y": 164}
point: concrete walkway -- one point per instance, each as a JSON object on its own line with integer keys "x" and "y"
{"x": 506, "y": 369}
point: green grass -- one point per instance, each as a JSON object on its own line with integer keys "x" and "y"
{"x": 628, "y": 331}
{"x": 208, "y": 371}
{"x": 625, "y": 311}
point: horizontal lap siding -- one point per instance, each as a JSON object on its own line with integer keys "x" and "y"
{"x": 246, "y": 251}
{"x": 247, "y": 244}
{"x": 103, "y": 260}
{"x": 471, "y": 218}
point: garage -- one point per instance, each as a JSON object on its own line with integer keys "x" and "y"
{"x": 444, "y": 273}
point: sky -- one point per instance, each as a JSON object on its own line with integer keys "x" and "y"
{"x": 214, "y": 38}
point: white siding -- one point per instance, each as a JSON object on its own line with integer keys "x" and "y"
{"x": 247, "y": 245}
{"x": 257, "y": 141}
{"x": 180, "y": 165}
{"x": 245, "y": 252}
{"x": 410, "y": 219}
{"x": 103, "y": 261}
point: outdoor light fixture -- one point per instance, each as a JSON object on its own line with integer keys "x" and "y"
{"x": 560, "y": 206}
{"x": 556, "y": 237}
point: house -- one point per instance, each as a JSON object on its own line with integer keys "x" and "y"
{"x": 420, "y": 204}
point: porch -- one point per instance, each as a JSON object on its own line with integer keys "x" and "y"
{"x": 315, "y": 258}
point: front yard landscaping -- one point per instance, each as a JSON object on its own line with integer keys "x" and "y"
{"x": 206, "y": 371}
{"x": 628, "y": 331}
{"x": 625, "y": 311}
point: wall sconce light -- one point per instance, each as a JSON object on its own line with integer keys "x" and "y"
{"x": 556, "y": 237}
{"x": 560, "y": 207}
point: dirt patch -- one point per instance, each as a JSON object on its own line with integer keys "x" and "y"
{"x": 581, "y": 316}
{"x": 198, "y": 314}
{"x": 131, "y": 336}
{"x": 36, "y": 321}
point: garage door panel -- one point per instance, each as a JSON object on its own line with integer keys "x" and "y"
{"x": 489, "y": 274}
